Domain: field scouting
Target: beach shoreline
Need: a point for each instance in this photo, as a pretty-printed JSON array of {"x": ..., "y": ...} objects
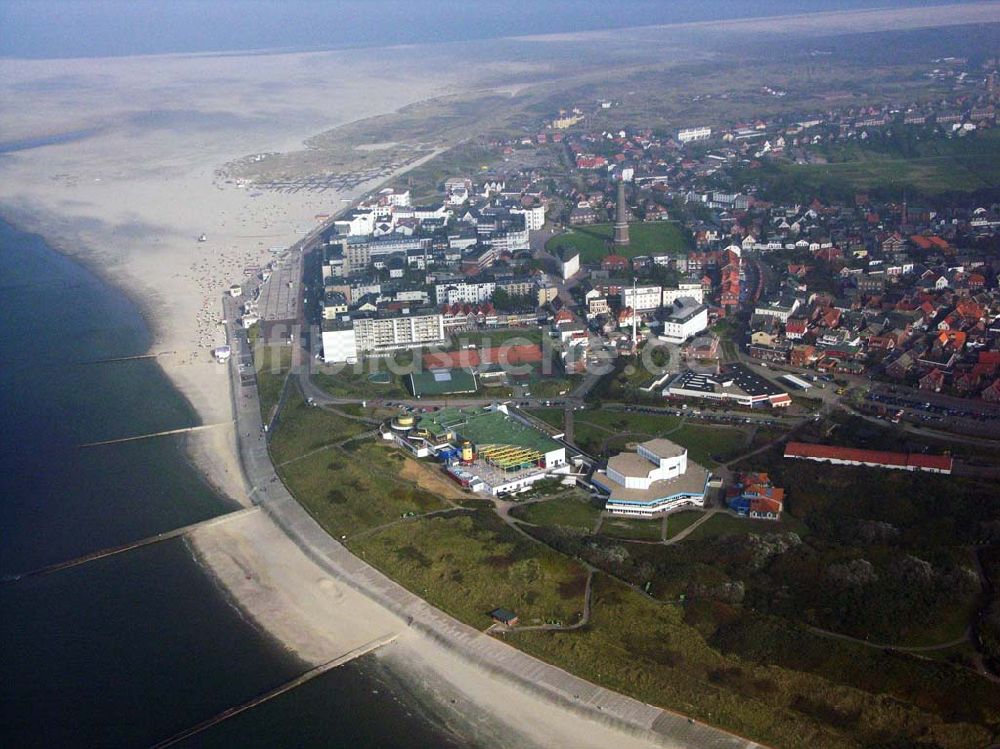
[
  {"x": 129, "y": 204},
  {"x": 159, "y": 264}
]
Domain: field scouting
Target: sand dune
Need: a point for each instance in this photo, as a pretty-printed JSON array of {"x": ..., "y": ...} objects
[
  {"x": 803, "y": 24},
  {"x": 131, "y": 196}
]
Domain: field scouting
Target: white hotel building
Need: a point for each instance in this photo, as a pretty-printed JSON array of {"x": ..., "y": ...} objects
[
  {"x": 350, "y": 337},
  {"x": 642, "y": 298},
  {"x": 692, "y": 289},
  {"x": 654, "y": 479},
  {"x": 687, "y": 318}
]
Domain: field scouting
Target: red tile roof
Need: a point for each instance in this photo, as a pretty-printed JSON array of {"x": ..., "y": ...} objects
[
  {"x": 877, "y": 457},
  {"x": 766, "y": 504}
]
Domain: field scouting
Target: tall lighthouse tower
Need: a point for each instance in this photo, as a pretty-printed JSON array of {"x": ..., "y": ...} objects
[{"x": 621, "y": 217}]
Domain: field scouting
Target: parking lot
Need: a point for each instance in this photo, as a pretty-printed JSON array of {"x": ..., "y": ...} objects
[{"x": 934, "y": 409}]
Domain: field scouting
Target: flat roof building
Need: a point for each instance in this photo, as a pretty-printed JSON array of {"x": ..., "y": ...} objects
[
  {"x": 486, "y": 449},
  {"x": 442, "y": 382},
  {"x": 656, "y": 478},
  {"x": 734, "y": 383},
  {"x": 687, "y": 317},
  {"x": 851, "y": 456},
  {"x": 352, "y": 336}
]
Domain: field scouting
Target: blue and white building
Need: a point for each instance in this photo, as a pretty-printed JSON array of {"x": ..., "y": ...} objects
[{"x": 656, "y": 478}]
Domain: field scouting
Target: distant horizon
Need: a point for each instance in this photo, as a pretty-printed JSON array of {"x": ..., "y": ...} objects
[{"x": 64, "y": 29}]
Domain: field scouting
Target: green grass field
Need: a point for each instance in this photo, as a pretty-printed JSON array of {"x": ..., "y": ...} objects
[
  {"x": 641, "y": 530},
  {"x": 940, "y": 166},
  {"x": 646, "y": 238},
  {"x": 678, "y": 521},
  {"x": 550, "y": 387},
  {"x": 572, "y": 511},
  {"x": 471, "y": 563},
  {"x": 302, "y": 429},
  {"x": 553, "y": 416},
  {"x": 704, "y": 443},
  {"x": 346, "y": 496},
  {"x": 659, "y": 654},
  {"x": 354, "y": 380},
  {"x": 272, "y": 363},
  {"x": 722, "y": 524},
  {"x": 613, "y": 429},
  {"x": 596, "y": 430}
]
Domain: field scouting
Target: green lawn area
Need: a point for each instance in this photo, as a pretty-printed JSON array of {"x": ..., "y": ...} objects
[
  {"x": 339, "y": 488},
  {"x": 659, "y": 654},
  {"x": 553, "y": 416},
  {"x": 369, "y": 412},
  {"x": 303, "y": 428},
  {"x": 646, "y": 238},
  {"x": 704, "y": 442},
  {"x": 723, "y": 523},
  {"x": 615, "y": 428},
  {"x": 550, "y": 387},
  {"x": 641, "y": 530},
  {"x": 573, "y": 511},
  {"x": 468, "y": 564},
  {"x": 624, "y": 382},
  {"x": 354, "y": 380},
  {"x": 954, "y": 165},
  {"x": 272, "y": 363},
  {"x": 678, "y": 521}
]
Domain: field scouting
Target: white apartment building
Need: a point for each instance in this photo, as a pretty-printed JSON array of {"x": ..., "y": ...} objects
[
  {"x": 462, "y": 292},
  {"x": 396, "y": 196},
  {"x": 357, "y": 223},
  {"x": 375, "y": 334},
  {"x": 687, "y": 135},
  {"x": 691, "y": 289},
  {"x": 598, "y": 305},
  {"x": 642, "y": 298},
  {"x": 687, "y": 318},
  {"x": 534, "y": 217},
  {"x": 514, "y": 240},
  {"x": 779, "y": 308},
  {"x": 569, "y": 262},
  {"x": 518, "y": 287}
]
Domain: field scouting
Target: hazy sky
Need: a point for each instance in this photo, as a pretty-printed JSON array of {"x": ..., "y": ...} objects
[{"x": 87, "y": 28}]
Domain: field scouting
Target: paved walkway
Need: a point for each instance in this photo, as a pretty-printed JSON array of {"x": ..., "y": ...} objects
[
  {"x": 690, "y": 529},
  {"x": 497, "y": 658},
  {"x": 888, "y": 646}
]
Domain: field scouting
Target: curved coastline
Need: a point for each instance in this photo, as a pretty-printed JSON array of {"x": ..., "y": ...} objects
[
  {"x": 210, "y": 452},
  {"x": 552, "y": 705},
  {"x": 318, "y": 601}
]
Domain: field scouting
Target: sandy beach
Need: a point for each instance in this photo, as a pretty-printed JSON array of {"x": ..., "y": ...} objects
[
  {"x": 805, "y": 24},
  {"x": 130, "y": 201},
  {"x": 263, "y": 572},
  {"x": 130, "y": 198}
]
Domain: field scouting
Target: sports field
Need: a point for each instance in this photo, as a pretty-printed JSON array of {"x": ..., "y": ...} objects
[{"x": 593, "y": 242}]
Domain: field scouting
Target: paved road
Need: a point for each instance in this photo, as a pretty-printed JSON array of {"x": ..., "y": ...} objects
[{"x": 494, "y": 656}]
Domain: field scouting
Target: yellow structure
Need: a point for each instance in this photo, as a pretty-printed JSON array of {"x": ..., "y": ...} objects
[
  {"x": 509, "y": 457},
  {"x": 561, "y": 123},
  {"x": 402, "y": 423},
  {"x": 467, "y": 453}
]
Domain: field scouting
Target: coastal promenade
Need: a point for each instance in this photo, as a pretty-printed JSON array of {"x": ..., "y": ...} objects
[{"x": 496, "y": 658}]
